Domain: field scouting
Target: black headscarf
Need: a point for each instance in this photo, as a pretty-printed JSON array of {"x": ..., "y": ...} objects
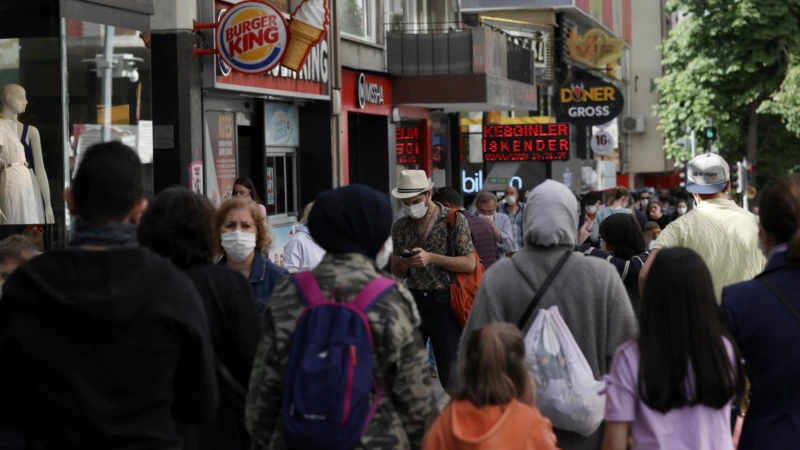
[{"x": 351, "y": 219}]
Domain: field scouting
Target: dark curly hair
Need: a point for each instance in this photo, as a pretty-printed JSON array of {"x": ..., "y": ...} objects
[{"x": 179, "y": 225}]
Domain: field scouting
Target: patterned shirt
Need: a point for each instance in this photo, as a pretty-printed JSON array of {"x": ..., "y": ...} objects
[
  {"x": 441, "y": 241},
  {"x": 516, "y": 224},
  {"x": 409, "y": 406}
]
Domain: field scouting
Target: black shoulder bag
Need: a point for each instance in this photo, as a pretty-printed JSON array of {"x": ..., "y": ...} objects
[
  {"x": 781, "y": 297},
  {"x": 542, "y": 290}
]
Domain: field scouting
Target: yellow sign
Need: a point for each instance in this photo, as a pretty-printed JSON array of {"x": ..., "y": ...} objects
[
  {"x": 595, "y": 49},
  {"x": 595, "y": 94}
]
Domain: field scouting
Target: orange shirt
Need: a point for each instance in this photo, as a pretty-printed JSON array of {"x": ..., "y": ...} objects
[{"x": 517, "y": 426}]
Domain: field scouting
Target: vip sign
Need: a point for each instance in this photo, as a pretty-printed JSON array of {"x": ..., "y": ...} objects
[
  {"x": 589, "y": 102},
  {"x": 368, "y": 92}
]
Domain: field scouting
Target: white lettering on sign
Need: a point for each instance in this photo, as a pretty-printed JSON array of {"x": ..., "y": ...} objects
[
  {"x": 315, "y": 68},
  {"x": 472, "y": 185},
  {"x": 368, "y": 92}
]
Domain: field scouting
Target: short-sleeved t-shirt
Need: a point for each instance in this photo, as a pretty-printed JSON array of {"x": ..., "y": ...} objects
[
  {"x": 690, "y": 428},
  {"x": 724, "y": 235},
  {"x": 441, "y": 240}
]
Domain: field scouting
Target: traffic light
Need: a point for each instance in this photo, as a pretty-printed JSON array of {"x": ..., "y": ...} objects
[
  {"x": 710, "y": 133},
  {"x": 682, "y": 167},
  {"x": 737, "y": 176}
]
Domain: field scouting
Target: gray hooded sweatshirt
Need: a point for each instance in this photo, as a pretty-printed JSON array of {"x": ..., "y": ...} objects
[{"x": 588, "y": 291}]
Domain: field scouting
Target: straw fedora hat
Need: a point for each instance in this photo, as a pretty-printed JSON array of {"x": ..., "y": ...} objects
[{"x": 411, "y": 184}]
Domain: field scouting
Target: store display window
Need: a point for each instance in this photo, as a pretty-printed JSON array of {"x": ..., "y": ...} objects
[{"x": 65, "y": 84}]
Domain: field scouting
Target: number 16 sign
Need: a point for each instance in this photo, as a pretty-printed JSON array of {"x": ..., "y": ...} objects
[{"x": 603, "y": 143}]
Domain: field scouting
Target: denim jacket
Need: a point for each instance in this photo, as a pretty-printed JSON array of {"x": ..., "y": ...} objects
[{"x": 264, "y": 276}]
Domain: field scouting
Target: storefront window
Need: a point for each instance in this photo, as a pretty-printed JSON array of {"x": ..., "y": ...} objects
[
  {"x": 358, "y": 18},
  {"x": 65, "y": 84},
  {"x": 281, "y": 189}
]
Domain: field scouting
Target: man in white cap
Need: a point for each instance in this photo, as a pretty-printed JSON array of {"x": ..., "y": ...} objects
[
  {"x": 722, "y": 233},
  {"x": 426, "y": 253}
]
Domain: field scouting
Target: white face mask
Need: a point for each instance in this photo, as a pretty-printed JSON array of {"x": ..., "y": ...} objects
[
  {"x": 238, "y": 245},
  {"x": 382, "y": 259},
  {"x": 591, "y": 209},
  {"x": 682, "y": 211},
  {"x": 645, "y": 202},
  {"x": 419, "y": 210},
  {"x": 511, "y": 200}
]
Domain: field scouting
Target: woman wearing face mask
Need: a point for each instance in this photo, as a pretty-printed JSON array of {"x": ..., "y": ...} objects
[
  {"x": 245, "y": 242},
  {"x": 244, "y": 188},
  {"x": 586, "y": 223},
  {"x": 352, "y": 224},
  {"x": 682, "y": 209}
]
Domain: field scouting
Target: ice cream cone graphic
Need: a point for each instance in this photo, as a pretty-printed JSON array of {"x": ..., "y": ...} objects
[{"x": 308, "y": 26}]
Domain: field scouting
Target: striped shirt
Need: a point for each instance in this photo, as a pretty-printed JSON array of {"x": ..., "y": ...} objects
[{"x": 483, "y": 238}]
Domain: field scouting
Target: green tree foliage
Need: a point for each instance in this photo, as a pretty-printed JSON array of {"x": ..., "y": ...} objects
[{"x": 731, "y": 61}]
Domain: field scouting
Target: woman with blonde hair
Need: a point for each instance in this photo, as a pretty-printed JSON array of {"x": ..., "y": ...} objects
[
  {"x": 245, "y": 238},
  {"x": 302, "y": 253},
  {"x": 493, "y": 409}
]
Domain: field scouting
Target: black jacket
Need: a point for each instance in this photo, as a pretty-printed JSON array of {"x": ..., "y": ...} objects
[
  {"x": 235, "y": 328},
  {"x": 103, "y": 350},
  {"x": 628, "y": 270}
]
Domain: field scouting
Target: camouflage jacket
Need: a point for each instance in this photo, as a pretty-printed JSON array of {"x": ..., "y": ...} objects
[{"x": 408, "y": 408}]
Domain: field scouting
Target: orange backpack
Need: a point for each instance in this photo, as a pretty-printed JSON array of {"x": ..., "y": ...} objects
[{"x": 465, "y": 286}]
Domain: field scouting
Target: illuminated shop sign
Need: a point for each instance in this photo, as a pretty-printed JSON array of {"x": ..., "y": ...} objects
[{"x": 519, "y": 143}]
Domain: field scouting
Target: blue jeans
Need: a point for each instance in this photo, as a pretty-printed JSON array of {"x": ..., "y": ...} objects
[
  {"x": 431, "y": 357},
  {"x": 440, "y": 325}
]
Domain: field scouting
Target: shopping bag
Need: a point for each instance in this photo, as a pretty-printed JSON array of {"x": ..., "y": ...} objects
[{"x": 566, "y": 391}]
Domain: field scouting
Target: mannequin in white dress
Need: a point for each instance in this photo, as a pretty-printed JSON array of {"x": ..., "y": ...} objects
[{"x": 14, "y": 102}]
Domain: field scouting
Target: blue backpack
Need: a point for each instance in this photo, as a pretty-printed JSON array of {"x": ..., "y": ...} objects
[{"x": 329, "y": 376}]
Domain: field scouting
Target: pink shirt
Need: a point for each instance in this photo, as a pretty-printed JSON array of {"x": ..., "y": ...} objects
[{"x": 690, "y": 428}]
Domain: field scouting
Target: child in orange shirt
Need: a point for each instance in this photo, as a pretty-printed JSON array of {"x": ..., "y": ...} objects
[{"x": 492, "y": 410}]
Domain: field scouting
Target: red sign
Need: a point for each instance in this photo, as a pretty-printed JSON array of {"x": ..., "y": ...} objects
[
  {"x": 366, "y": 93},
  {"x": 539, "y": 142},
  {"x": 407, "y": 145}
]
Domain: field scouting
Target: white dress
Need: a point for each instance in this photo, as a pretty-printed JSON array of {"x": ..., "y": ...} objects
[{"x": 17, "y": 196}]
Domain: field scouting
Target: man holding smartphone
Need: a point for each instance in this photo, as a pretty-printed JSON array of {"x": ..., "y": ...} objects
[{"x": 427, "y": 253}]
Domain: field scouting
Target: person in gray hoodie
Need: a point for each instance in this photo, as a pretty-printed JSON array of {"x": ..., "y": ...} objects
[{"x": 588, "y": 291}]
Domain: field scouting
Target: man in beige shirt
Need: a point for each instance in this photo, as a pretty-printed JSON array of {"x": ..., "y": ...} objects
[{"x": 722, "y": 233}]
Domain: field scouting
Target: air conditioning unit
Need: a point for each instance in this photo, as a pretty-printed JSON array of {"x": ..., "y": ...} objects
[{"x": 633, "y": 124}]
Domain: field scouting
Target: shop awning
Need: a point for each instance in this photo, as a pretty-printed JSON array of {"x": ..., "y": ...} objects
[{"x": 464, "y": 92}]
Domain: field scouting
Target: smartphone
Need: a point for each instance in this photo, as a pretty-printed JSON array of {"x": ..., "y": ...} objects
[{"x": 409, "y": 254}]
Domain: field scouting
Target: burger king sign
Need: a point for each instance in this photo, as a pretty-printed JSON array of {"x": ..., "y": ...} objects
[{"x": 252, "y": 37}]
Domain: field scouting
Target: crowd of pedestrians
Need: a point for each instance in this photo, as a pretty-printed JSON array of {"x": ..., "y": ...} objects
[{"x": 596, "y": 324}]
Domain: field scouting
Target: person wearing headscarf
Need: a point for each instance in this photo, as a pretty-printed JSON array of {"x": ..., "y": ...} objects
[
  {"x": 353, "y": 225},
  {"x": 588, "y": 291}
]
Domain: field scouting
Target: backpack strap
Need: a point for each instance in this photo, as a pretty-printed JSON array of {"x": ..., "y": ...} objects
[
  {"x": 523, "y": 321},
  {"x": 451, "y": 217},
  {"x": 309, "y": 289},
  {"x": 372, "y": 292}
]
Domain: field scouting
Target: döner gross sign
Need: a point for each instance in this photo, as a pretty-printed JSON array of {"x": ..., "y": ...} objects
[
  {"x": 589, "y": 102},
  {"x": 545, "y": 142}
]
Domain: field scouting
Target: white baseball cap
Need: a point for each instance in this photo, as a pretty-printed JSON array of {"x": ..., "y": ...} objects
[
  {"x": 411, "y": 184},
  {"x": 707, "y": 174}
]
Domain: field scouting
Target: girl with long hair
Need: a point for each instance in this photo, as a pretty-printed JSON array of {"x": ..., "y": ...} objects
[
  {"x": 673, "y": 386},
  {"x": 492, "y": 409}
]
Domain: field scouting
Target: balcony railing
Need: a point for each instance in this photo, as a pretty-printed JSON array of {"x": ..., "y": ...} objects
[{"x": 448, "y": 49}]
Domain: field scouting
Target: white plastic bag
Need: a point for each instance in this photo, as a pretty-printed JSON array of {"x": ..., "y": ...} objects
[{"x": 566, "y": 391}]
